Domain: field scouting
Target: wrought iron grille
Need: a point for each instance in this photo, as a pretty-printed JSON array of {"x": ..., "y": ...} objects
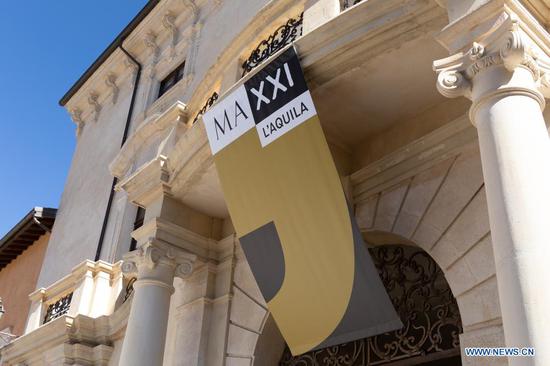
[
  {"x": 206, "y": 106},
  {"x": 350, "y": 3},
  {"x": 424, "y": 302},
  {"x": 285, "y": 34},
  {"x": 129, "y": 289},
  {"x": 58, "y": 308}
]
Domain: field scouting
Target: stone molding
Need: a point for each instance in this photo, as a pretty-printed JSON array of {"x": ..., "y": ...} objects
[
  {"x": 144, "y": 185},
  {"x": 69, "y": 339},
  {"x": 153, "y": 128},
  {"x": 437, "y": 146},
  {"x": 206, "y": 249}
]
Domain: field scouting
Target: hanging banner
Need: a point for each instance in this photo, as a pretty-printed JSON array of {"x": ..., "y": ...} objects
[{"x": 290, "y": 213}]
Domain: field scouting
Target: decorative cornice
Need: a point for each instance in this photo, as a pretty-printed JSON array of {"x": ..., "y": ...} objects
[
  {"x": 506, "y": 45},
  {"x": 80, "y": 338}
]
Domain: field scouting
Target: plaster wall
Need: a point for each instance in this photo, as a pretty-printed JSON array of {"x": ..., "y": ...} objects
[
  {"x": 219, "y": 30},
  {"x": 82, "y": 208},
  {"x": 17, "y": 281}
]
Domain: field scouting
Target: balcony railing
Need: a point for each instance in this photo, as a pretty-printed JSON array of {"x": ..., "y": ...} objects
[
  {"x": 58, "y": 308},
  {"x": 284, "y": 35},
  {"x": 213, "y": 98}
]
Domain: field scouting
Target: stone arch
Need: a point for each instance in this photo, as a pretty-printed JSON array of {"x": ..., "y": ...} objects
[
  {"x": 443, "y": 210},
  {"x": 425, "y": 303}
]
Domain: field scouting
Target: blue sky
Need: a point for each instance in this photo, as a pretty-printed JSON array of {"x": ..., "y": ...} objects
[{"x": 46, "y": 46}]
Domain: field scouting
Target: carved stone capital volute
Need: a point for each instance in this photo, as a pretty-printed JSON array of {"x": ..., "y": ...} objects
[
  {"x": 154, "y": 254},
  {"x": 452, "y": 84},
  {"x": 527, "y": 70},
  {"x": 184, "y": 269},
  {"x": 129, "y": 269}
]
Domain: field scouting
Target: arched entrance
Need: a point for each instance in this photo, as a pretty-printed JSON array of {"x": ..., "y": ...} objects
[{"x": 426, "y": 305}]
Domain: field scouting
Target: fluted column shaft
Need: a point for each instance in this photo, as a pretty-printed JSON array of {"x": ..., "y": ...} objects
[{"x": 505, "y": 79}]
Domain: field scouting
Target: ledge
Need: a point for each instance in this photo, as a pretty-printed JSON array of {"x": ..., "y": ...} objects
[{"x": 153, "y": 126}]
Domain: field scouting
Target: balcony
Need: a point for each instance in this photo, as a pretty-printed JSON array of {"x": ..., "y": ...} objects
[
  {"x": 76, "y": 320},
  {"x": 91, "y": 289}
]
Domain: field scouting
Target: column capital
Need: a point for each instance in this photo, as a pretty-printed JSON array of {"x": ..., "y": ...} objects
[
  {"x": 144, "y": 260},
  {"x": 518, "y": 66}
]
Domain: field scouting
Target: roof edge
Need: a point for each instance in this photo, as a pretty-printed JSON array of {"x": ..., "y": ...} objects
[
  {"x": 36, "y": 212},
  {"x": 151, "y": 4}
]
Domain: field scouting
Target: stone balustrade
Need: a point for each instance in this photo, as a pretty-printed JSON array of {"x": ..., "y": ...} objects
[{"x": 92, "y": 289}]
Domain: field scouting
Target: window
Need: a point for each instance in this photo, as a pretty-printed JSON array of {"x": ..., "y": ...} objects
[
  {"x": 171, "y": 80},
  {"x": 138, "y": 222}
]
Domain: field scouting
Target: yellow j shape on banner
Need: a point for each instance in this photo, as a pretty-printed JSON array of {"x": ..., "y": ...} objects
[{"x": 290, "y": 213}]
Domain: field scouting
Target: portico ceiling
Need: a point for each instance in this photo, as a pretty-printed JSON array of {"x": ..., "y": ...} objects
[
  {"x": 369, "y": 69},
  {"x": 391, "y": 87}
]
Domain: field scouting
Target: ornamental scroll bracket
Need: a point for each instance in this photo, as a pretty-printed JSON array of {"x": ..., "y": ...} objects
[
  {"x": 506, "y": 45},
  {"x": 76, "y": 116},
  {"x": 169, "y": 22},
  {"x": 110, "y": 81},
  {"x": 93, "y": 101},
  {"x": 150, "y": 41}
]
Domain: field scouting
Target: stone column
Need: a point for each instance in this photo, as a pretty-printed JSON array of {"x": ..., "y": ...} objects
[
  {"x": 505, "y": 74},
  {"x": 155, "y": 264}
]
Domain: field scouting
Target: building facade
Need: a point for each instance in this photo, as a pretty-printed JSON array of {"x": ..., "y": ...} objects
[
  {"x": 434, "y": 113},
  {"x": 22, "y": 252}
]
